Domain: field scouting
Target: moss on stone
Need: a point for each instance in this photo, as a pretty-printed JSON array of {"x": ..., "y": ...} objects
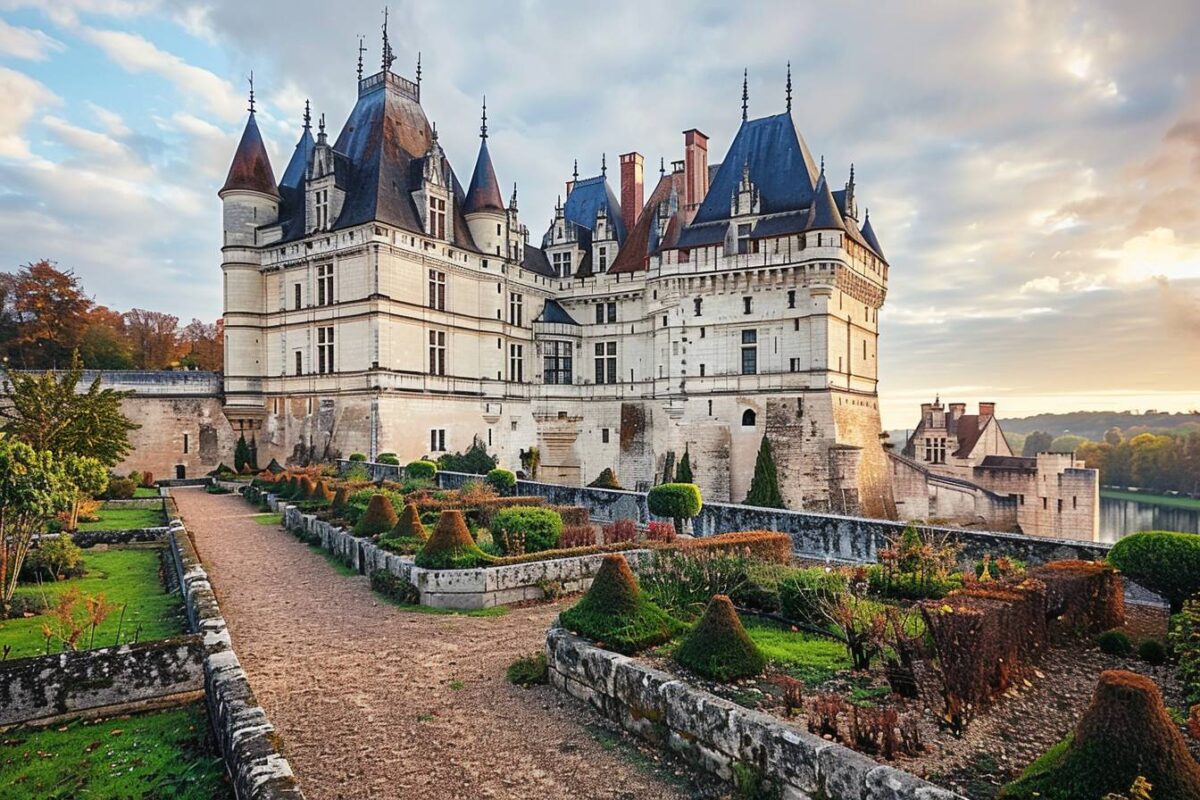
[
  {"x": 451, "y": 545},
  {"x": 718, "y": 646},
  {"x": 614, "y": 613}
]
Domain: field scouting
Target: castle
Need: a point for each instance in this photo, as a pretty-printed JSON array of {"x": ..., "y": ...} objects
[{"x": 372, "y": 304}]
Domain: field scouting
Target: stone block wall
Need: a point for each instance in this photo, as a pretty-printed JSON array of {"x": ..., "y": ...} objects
[{"x": 716, "y": 735}]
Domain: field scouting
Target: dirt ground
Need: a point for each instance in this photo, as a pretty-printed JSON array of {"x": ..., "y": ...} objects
[{"x": 374, "y": 701}]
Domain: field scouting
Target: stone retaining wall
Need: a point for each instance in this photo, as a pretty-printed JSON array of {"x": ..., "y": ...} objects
[
  {"x": 715, "y": 734},
  {"x": 87, "y": 539},
  {"x": 249, "y": 745},
  {"x": 48, "y": 686}
]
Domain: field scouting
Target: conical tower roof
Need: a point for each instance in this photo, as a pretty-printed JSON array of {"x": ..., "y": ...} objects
[
  {"x": 484, "y": 193},
  {"x": 825, "y": 212},
  {"x": 251, "y": 168},
  {"x": 869, "y": 234}
]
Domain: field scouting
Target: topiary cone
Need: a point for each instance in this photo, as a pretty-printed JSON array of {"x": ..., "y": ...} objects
[
  {"x": 718, "y": 646},
  {"x": 614, "y": 613},
  {"x": 379, "y": 517},
  {"x": 1125, "y": 733},
  {"x": 614, "y": 590},
  {"x": 339, "y": 500},
  {"x": 451, "y": 545},
  {"x": 323, "y": 493},
  {"x": 308, "y": 489},
  {"x": 409, "y": 524}
]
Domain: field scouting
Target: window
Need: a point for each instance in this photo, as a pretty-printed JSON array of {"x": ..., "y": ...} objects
[
  {"x": 603, "y": 259},
  {"x": 606, "y": 362},
  {"x": 743, "y": 245},
  {"x": 299, "y": 362},
  {"x": 1074, "y": 499},
  {"x": 697, "y": 305},
  {"x": 325, "y": 285},
  {"x": 1021, "y": 499},
  {"x": 749, "y": 352},
  {"x": 604, "y": 435},
  {"x": 611, "y": 311},
  {"x": 606, "y": 312},
  {"x": 864, "y": 349},
  {"x": 515, "y": 309},
  {"x": 437, "y": 440},
  {"x": 185, "y": 443},
  {"x": 562, "y": 264},
  {"x": 437, "y": 218},
  {"x": 516, "y": 362},
  {"x": 297, "y": 293},
  {"x": 437, "y": 290},
  {"x": 794, "y": 364},
  {"x": 1060, "y": 505},
  {"x": 1045, "y": 503},
  {"x": 935, "y": 450},
  {"x": 322, "y": 203},
  {"x": 701, "y": 370},
  {"x": 437, "y": 352},
  {"x": 325, "y": 350},
  {"x": 746, "y": 304},
  {"x": 749, "y": 418},
  {"x": 556, "y": 363},
  {"x": 702, "y": 333},
  {"x": 791, "y": 298}
]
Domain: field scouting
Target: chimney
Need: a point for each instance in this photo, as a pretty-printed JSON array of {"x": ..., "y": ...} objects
[
  {"x": 631, "y": 189},
  {"x": 957, "y": 410},
  {"x": 987, "y": 409},
  {"x": 695, "y": 171}
]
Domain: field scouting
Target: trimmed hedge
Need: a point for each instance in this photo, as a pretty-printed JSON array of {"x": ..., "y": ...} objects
[
  {"x": 502, "y": 480},
  {"x": 804, "y": 593},
  {"x": 615, "y": 615},
  {"x": 1162, "y": 561},
  {"x": 677, "y": 501},
  {"x": 541, "y": 528},
  {"x": 380, "y": 517},
  {"x": 409, "y": 526},
  {"x": 357, "y": 457},
  {"x": 390, "y": 459},
  {"x": 451, "y": 545},
  {"x": 718, "y": 647},
  {"x": 1085, "y": 595},
  {"x": 421, "y": 470},
  {"x": 770, "y": 546}
]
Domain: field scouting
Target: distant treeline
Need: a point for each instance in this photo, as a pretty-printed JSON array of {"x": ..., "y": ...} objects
[
  {"x": 1094, "y": 424},
  {"x": 1155, "y": 462}
]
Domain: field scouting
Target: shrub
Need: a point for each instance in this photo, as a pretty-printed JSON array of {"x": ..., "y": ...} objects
[
  {"x": 308, "y": 489},
  {"x": 528, "y": 671},
  {"x": 322, "y": 493},
  {"x": 614, "y": 613},
  {"x": 541, "y": 528},
  {"x": 502, "y": 480},
  {"x": 380, "y": 517},
  {"x": 148, "y": 480},
  {"x": 683, "y": 473},
  {"x": 421, "y": 470},
  {"x": 999, "y": 568},
  {"x": 718, "y": 647},
  {"x": 389, "y": 458},
  {"x": 677, "y": 501},
  {"x": 577, "y": 536},
  {"x": 771, "y": 546},
  {"x": 358, "y": 457},
  {"x": 121, "y": 488},
  {"x": 1115, "y": 643},
  {"x": 621, "y": 530},
  {"x": 451, "y": 545},
  {"x": 1125, "y": 733},
  {"x": 1185, "y": 643},
  {"x": 409, "y": 526},
  {"x": 910, "y": 586},
  {"x": 574, "y": 515},
  {"x": 136, "y": 476},
  {"x": 1153, "y": 652},
  {"x": 606, "y": 480},
  {"x": 275, "y": 467},
  {"x": 394, "y": 587},
  {"x": 475, "y": 460},
  {"x": 1164, "y": 562},
  {"x": 683, "y": 582},
  {"x": 1087, "y": 595},
  {"x": 53, "y": 559},
  {"x": 764, "y": 486},
  {"x": 338, "y": 504},
  {"x": 804, "y": 593},
  {"x": 658, "y": 531},
  {"x": 404, "y": 545}
]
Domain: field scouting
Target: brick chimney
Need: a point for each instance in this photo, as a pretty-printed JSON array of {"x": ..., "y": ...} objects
[
  {"x": 987, "y": 409},
  {"x": 631, "y": 189},
  {"x": 695, "y": 171}
]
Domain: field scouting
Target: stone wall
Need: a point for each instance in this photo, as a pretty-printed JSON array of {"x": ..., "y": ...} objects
[
  {"x": 62, "y": 683},
  {"x": 248, "y": 742},
  {"x": 715, "y": 734}
]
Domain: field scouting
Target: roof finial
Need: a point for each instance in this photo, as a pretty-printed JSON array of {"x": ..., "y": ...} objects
[
  {"x": 435, "y": 130},
  {"x": 662, "y": 167},
  {"x": 513, "y": 203},
  {"x": 307, "y": 116},
  {"x": 483, "y": 127},
  {"x": 603, "y": 164},
  {"x": 822, "y": 165},
  {"x": 321, "y": 129},
  {"x": 851, "y": 173},
  {"x": 745, "y": 93},
  {"x": 362, "y": 48},
  {"x": 575, "y": 174},
  {"x": 388, "y": 57},
  {"x": 789, "y": 88},
  {"x": 418, "y": 75},
  {"x": 251, "y": 91}
]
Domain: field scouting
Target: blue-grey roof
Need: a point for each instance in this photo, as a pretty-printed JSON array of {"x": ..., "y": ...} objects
[
  {"x": 535, "y": 261},
  {"x": 703, "y": 235},
  {"x": 293, "y": 176},
  {"x": 781, "y": 168},
  {"x": 586, "y": 198},
  {"x": 484, "y": 192},
  {"x": 780, "y": 225},
  {"x": 825, "y": 214},
  {"x": 291, "y": 188},
  {"x": 868, "y": 233},
  {"x": 552, "y": 312}
]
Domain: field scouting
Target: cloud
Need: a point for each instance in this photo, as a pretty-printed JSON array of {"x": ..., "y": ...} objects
[
  {"x": 68, "y": 12},
  {"x": 20, "y": 96},
  {"x": 26, "y": 43}
]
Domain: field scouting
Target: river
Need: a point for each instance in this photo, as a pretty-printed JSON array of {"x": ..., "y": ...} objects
[{"x": 1120, "y": 518}]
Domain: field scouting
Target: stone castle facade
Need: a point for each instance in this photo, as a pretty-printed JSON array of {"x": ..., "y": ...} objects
[{"x": 373, "y": 304}]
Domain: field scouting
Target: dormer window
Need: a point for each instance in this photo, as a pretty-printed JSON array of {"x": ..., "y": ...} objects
[
  {"x": 603, "y": 259},
  {"x": 437, "y": 218},
  {"x": 322, "y": 208},
  {"x": 562, "y": 264}
]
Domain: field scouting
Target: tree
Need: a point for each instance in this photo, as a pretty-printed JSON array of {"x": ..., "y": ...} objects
[
  {"x": 88, "y": 477},
  {"x": 1037, "y": 442},
  {"x": 152, "y": 334},
  {"x": 764, "y": 488},
  {"x": 1067, "y": 443},
  {"x": 204, "y": 345},
  {"x": 1113, "y": 436},
  {"x": 49, "y": 414},
  {"x": 241, "y": 453},
  {"x": 683, "y": 473},
  {"x": 103, "y": 344},
  {"x": 50, "y": 310},
  {"x": 33, "y": 488}
]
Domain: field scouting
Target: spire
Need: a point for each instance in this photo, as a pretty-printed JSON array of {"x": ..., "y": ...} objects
[
  {"x": 293, "y": 174},
  {"x": 512, "y": 204},
  {"x": 868, "y": 233},
  {"x": 745, "y": 94},
  {"x": 307, "y": 116},
  {"x": 789, "y": 87},
  {"x": 484, "y": 192},
  {"x": 251, "y": 109},
  {"x": 321, "y": 129},
  {"x": 662, "y": 167},
  {"x": 483, "y": 127},
  {"x": 603, "y": 165},
  {"x": 418, "y": 75},
  {"x": 251, "y": 168},
  {"x": 362, "y": 48},
  {"x": 388, "y": 57},
  {"x": 575, "y": 174},
  {"x": 822, "y": 165}
]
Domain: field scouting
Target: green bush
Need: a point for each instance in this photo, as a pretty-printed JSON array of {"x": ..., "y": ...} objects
[
  {"x": 394, "y": 587},
  {"x": 528, "y": 671},
  {"x": 502, "y": 480},
  {"x": 803, "y": 593},
  {"x": 121, "y": 488},
  {"x": 615, "y": 614},
  {"x": 1164, "y": 562},
  {"x": 540, "y": 527},
  {"x": 1153, "y": 652},
  {"x": 683, "y": 582},
  {"x": 911, "y": 585},
  {"x": 389, "y": 458},
  {"x": 358, "y": 457},
  {"x": 1115, "y": 643},
  {"x": 718, "y": 647},
  {"x": 53, "y": 560},
  {"x": 475, "y": 461},
  {"x": 136, "y": 476},
  {"x": 380, "y": 517},
  {"x": 764, "y": 486},
  {"x": 677, "y": 501},
  {"x": 421, "y": 470},
  {"x": 606, "y": 480}
]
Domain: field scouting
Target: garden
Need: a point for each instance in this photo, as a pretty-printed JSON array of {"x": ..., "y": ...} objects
[{"x": 995, "y": 681}]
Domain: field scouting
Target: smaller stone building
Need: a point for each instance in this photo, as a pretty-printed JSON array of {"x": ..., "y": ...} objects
[{"x": 958, "y": 468}]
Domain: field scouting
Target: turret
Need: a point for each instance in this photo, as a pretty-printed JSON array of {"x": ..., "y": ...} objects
[
  {"x": 250, "y": 196},
  {"x": 484, "y": 207}
]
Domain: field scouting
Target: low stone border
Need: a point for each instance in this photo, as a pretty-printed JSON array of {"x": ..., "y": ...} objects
[
  {"x": 457, "y": 589},
  {"x": 247, "y": 740},
  {"x": 86, "y": 539},
  {"x": 38, "y": 687},
  {"x": 715, "y": 734}
]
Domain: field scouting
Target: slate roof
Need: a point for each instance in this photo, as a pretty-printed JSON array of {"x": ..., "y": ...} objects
[
  {"x": 1009, "y": 462},
  {"x": 251, "y": 168},
  {"x": 825, "y": 214},
  {"x": 643, "y": 241},
  {"x": 291, "y": 187},
  {"x": 586, "y": 198},
  {"x": 535, "y": 261},
  {"x": 552, "y": 312},
  {"x": 484, "y": 193},
  {"x": 868, "y": 234}
]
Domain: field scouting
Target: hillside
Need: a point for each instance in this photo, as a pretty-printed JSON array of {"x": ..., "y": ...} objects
[{"x": 1093, "y": 424}]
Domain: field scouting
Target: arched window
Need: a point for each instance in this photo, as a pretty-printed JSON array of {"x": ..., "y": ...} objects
[{"x": 748, "y": 418}]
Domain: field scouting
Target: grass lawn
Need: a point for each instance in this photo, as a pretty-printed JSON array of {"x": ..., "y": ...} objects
[
  {"x": 811, "y": 658},
  {"x": 153, "y": 755},
  {"x": 124, "y": 519},
  {"x": 268, "y": 519},
  {"x": 124, "y": 576},
  {"x": 145, "y": 491},
  {"x": 1152, "y": 499}
]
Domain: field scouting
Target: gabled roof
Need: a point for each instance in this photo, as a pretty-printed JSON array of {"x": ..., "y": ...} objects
[
  {"x": 484, "y": 194},
  {"x": 643, "y": 241},
  {"x": 587, "y": 197},
  {"x": 780, "y": 165},
  {"x": 868, "y": 233},
  {"x": 251, "y": 168},
  {"x": 554, "y": 313},
  {"x": 535, "y": 261},
  {"x": 291, "y": 188}
]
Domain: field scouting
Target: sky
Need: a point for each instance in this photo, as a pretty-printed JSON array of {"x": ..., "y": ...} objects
[{"x": 1032, "y": 168}]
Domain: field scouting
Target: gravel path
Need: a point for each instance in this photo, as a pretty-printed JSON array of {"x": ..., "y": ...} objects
[{"x": 372, "y": 701}]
